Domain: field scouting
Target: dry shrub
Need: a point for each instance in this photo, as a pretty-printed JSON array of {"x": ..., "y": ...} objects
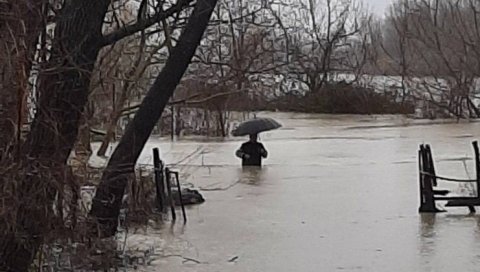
[
  {"x": 341, "y": 99},
  {"x": 53, "y": 203}
]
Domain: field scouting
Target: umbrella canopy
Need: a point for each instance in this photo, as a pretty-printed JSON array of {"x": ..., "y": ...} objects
[{"x": 255, "y": 126}]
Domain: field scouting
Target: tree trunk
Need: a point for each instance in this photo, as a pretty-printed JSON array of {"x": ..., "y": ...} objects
[
  {"x": 64, "y": 90},
  {"x": 220, "y": 122},
  {"x": 178, "y": 122},
  {"x": 63, "y": 95},
  {"x": 108, "y": 198},
  {"x": 82, "y": 149},
  {"x": 83, "y": 145}
]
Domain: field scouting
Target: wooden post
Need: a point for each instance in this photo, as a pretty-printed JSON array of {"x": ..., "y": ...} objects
[
  {"x": 420, "y": 177},
  {"x": 159, "y": 179},
  {"x": 477, "y": 165},
  {"x": 170, "y": 195},
  {"x": 431, "y": 165},
  {"x": 428, "y": 203},
  {"x": 172, "y": 123},
  {"x": 477, "y": 170},
  {"x": 180, "y": 197}
]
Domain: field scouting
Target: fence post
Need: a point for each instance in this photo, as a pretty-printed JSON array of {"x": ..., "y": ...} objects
[
  {"x": 431, "y": 166},
  {"x": 477, "y": 166},
  {"x": 168, "y": 174},
  {"x": 420, "y": 177},
  {"x": 180, "y": 197},
  {"x": 159, "y": 179},
  {"x": 426, "y": 180}
]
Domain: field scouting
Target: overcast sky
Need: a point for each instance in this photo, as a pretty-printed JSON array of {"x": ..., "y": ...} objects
[{"x": 378, "y": 6}]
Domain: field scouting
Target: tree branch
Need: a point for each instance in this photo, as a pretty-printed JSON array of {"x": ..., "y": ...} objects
[
  {"x": 143, "y": 24},
  {"x": 108, "y": 197}
]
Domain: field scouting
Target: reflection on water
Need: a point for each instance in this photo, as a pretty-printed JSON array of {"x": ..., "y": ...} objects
[
  {"x": 252, "y": 175},
  {"x": 427, "y": 222},
  {"x": 427, "y": 234},
  {"x": 328, "y": 199},
  {"x": 449, "y": 242}
]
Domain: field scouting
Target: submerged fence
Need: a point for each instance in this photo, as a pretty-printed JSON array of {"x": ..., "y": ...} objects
[{"x": 428, "y": 179}]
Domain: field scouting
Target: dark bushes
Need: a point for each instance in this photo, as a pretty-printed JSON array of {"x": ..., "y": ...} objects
[{"x": 341, "y": 99}]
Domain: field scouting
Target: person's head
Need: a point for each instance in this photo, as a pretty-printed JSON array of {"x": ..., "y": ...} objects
[{"x": 253, "y": 137}]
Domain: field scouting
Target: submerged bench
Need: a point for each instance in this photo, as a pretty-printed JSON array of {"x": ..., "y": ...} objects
[{"x": 428, "y": 180}]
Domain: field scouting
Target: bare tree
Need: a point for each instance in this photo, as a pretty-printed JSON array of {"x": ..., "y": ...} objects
[
  {"x": 107, "y": 201},
  {"x": 241, "y": 49},
  {"x": 438, "y": 52},
  {"x": 31, "y": 183},
  {"x": 322, "y": 44},
  {"x": 125, "y": 83}
]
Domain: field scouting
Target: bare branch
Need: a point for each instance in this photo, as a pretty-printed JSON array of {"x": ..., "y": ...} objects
[{"x": 143, "y": 24}]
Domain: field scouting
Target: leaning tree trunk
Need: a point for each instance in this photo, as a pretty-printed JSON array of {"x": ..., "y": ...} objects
[
  {"x": 63, "y": 95},
  {"x": 108, "y": 198}
]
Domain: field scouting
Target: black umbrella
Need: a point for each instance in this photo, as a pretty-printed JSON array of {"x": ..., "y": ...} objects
[{"x": 255, "y": 126}]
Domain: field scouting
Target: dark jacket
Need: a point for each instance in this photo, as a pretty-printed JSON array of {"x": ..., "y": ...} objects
[{"x": 252, "y": 153}]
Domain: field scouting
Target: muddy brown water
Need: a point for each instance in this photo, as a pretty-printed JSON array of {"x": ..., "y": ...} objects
[{"x": 337, "y": 193}]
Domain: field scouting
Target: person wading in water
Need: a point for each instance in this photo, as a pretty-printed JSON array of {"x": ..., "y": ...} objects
[{"x": 252, "y": 152}]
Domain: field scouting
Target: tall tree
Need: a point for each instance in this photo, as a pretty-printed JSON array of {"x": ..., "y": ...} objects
[
  {"x": 331, "y": 40},
  {"x": 54, "y": 129},
  {"x": 108, "y": 198},
  {"x": 63, "y": 88},
  {"x": 437, "y": 53}
]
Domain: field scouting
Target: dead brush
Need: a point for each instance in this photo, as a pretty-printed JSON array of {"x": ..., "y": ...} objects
[{"x": 48, "y": 202}]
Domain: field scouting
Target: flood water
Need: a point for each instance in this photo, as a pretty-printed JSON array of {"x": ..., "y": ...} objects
[{"x": 337, "y": 193}]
